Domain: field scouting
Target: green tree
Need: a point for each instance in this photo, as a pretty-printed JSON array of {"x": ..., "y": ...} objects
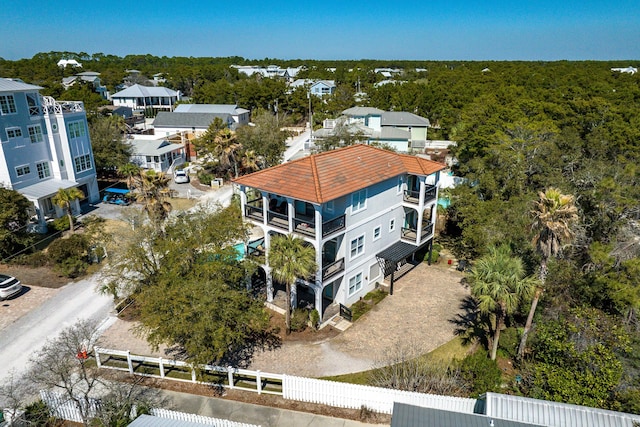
[
  {"x": 14, "y": 215},
  {"x": 265, "y": 138},
  {"x": 499, "y": 283},
  {"x": 554, "y": 214},
  {"x": 64, "y": 199},
  {"x": 110, "y": 149},
  {"x": 290, "y": 259},
  {"x": 129, "y": 171}
]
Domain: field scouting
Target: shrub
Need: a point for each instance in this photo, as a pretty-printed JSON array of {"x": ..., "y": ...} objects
[
  {"x": 36, "y": 259},
  {"x": 481, "y": 373},
  {"x": 314, "y": 318},
  {"x": 376, "y": 295},
  {"x": 509, "y": 342},
  {"x": 38, "y": 414},
  {"x": 205, "y": 178},
  {"x": 435, "y": 253},
  {"x": 299, "y": 319},
  {"x": 70, "y": 255},
  {"x": 60, "y": 224}
]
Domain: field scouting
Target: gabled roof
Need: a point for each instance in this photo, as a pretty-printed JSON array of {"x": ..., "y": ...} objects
[
  {"x": 326, "y": 176},
  {"x": 139, "y": 91},
  {"x": 210, "y": 108},
  {"x": 328, "y": 83},
  {"x": 362, "y": 111},
  {"x": 16, "y": 85},
  {"x": 153, "y": 147},
  {"x": 394, "y": 133},
  {"x": 415, "y": 416},
  {"x": 188, "y": 120},
  {"x": 402, "y": 118}
]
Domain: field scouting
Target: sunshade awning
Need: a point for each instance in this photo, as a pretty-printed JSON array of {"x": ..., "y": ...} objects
[{"x": 45, "y": 189}]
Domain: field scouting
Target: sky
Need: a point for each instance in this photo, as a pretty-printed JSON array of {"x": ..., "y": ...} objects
[{"x": 339, "y": 30}]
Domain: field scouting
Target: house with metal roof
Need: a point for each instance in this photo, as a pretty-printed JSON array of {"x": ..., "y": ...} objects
[
  {"x": 415, "y": 416},
  {"x": 364, "y": 210},
  {"x": 44, "y": 146},
  {"x": 160, "y": 155},
  {"x": 141, "y": 98}
]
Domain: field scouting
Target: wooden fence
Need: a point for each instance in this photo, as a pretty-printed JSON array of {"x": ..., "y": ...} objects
[{"x": 331, "y": 393}]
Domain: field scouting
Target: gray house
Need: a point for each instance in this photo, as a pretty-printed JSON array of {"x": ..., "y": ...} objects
[{"x": 44, "y": 146}]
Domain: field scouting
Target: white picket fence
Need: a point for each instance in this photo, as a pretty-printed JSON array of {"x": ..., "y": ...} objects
[
  {"x": 182, "y": 416},
  {"x": 355, "y": 396},
  {"x": 64, "y": 408},
  {"x": 331, "y": 393}
]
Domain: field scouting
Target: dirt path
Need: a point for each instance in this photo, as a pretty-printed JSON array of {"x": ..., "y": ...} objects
[{"x": 418, "y": 313}]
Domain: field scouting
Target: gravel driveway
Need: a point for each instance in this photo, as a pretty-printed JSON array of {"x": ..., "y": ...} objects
[{"x": 418, "y": 313}]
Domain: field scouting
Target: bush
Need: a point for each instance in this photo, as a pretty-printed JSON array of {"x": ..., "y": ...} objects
[
  {"x": 299, "y": 319},
  {"x": 205, "y": 178},
  {"x": 36, "y": 259},
  {"x": 61, "y": 224},
  {"x": 481, "y": 373},
  {"x": 509, "y": 342},
  {"x": 376, "y": 296},
  {"x": 70, "y": 255},
  {"x": 314, "y": 318},
  {"x": 435, "y": 253},
  {"x": 38, "y": 414}
]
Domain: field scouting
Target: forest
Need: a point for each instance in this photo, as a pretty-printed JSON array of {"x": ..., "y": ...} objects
[{"x": 528, "y": 135}]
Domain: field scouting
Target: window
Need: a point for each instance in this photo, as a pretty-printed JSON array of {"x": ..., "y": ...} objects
[
  {"x": 149, "y": 159},
  {"x": 392, "y": 225},
  {"x": 376, "y": 233},
  {"x": 355, "y": 283},
  {"x": 23, "y": 170},
  {"x": 76, "y": 130},
  {"x": 35, "y": 133},
  {"x": 14, "y": 133},
  {"x": 82, "y": 163},
  {"x": 359, "y": 201},
  {"x": 43, "y": 170},
  {"x": 7, "y": 104},
  {"x": 357, "y": 246}
]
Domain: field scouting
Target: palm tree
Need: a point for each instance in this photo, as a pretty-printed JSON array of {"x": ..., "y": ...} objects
[
  {"x": 151, "y": 189},
  {"x": 498, "y": 282},
  {"x": 226, "y": 147},
  {"x": 290, "y": 258},
  {"x": 129, "y": 171},
  {"x": 554, "y": 217},
  {"x": 64, "y": 198}
]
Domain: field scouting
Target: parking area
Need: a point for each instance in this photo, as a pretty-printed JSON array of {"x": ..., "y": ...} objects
[{"x": 31, "y": 297}]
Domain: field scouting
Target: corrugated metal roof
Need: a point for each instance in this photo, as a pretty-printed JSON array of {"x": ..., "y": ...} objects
[
  {"x": 46, "y": 188},
  {"x": 210, "y": 108},
  {"x": 151, "y": 421},
  {"x": 553, "y": 414},
  {"x": 415, "y": 416},
  {"x": 16, "y": 85},
  {"x": 362, "y": 111},
  {"x": 188, "y": 120},
  {"x": 402, "y": 118},
  {"x": 139, "y": 91},
  {"x": 153, "y": 147}
]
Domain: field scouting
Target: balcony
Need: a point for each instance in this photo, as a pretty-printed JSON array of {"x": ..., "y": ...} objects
[
  {"x": 411, "y": 234},
  {"x": 332, "y": 269},
  {"x": 253, "y": 209},
  {"x": 411, "y": 196},
  {"x": 334, "y": 225},
  {"x": 278, "y": 220},
  {"x": 304, "y": 226}
]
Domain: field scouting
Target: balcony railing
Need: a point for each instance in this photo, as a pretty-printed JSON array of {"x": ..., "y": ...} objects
[
  {"x": 332, "y": 269},
  {"x": 409, "y": 233},
  {"x": 303, "y": 226},
  {"x": 34, "y": 110},
  {"x": 254, "y": 212},
  {"x": 414, "y": 196},
  {"x": 427, "y": 230},
  {"x": 334, "y": 225},
  {"x": 278, "y": 220}
]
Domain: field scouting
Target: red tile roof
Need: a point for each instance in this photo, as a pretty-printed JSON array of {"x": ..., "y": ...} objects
[{"x": 326, "y": 176}]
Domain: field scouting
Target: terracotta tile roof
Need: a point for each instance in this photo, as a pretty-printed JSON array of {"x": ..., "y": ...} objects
[{"x": 326, "y": 176}]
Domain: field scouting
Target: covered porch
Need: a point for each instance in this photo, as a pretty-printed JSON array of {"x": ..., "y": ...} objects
[
  {"x": 394, "y": 259},
  {"x": 41, "y": 195}
]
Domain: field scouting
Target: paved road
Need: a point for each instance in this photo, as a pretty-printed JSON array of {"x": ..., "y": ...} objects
[{"x": 23, "y": 338}]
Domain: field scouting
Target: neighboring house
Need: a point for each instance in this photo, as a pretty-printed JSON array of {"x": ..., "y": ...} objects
[
  {"x": 316, "y": 87},
  {"x": 629, "y": 70},
  {"x": 70, "y": 62},
  {"x": 140, "y": 98},
  {"x": 400, "y": 130},
  {"x": 272, "y": 71},
  {"x": 240, "y": 116},
  {"x": 45, "y": 146},
  {"x": 364, "y": 210},
  {"x": 90, "y": 77},
  {"x": 157, "y": 154}
]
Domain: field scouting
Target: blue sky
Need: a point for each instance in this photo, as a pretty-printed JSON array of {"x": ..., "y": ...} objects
[{"x": 347, "y": 29}]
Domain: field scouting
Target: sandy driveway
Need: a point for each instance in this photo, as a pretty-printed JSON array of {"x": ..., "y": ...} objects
[{"x": 418, "y": 313}]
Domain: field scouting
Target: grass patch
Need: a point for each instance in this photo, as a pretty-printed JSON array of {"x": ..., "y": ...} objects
[
  {"x": 361, "y": 378},
  {"x": 179, "y": 204}
]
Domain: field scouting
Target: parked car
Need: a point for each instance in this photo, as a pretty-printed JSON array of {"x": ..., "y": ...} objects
[
  {"x": 180, "y": 176},
  {"x": 9, "y": 286}
]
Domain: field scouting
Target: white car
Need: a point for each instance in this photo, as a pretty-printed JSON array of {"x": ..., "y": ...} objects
[
  {"x": 180, "y": 176},
  {"x": 9, "y": 286}
]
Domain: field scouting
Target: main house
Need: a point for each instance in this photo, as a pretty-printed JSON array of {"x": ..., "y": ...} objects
[
  {"x": 44, "y": 146},
  {"x": 141, "y": 98},
  {"x": 364, "y": 210}
]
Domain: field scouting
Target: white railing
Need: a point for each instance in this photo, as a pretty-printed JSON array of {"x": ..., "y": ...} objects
[
  {"x": 242, "y": 379},
  {"x": 331, "y": 393},
  {"x": 183, "y": 416}
]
